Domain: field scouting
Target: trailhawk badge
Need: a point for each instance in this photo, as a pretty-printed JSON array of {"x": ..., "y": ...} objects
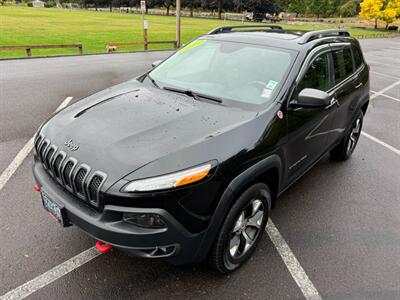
[{"x": 71, "y": 146}]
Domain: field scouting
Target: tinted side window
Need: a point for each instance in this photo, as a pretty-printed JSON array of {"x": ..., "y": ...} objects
[
  {"x": 357, "y": 56},
  {"x": 343, "y": 64},
  {"x": 317, "y": 75},
  {"x": 348, "y": 61}
]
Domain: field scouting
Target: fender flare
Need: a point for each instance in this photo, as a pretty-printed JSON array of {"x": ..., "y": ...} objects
[{"x": 230, "y": 195}]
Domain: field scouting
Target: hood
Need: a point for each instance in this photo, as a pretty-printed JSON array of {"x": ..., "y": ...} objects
[{"x": 130, "y": 125}]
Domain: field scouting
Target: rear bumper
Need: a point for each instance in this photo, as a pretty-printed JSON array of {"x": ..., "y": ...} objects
[{"x": 108, "y": 226}]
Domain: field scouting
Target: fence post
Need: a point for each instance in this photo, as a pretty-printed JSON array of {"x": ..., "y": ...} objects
[
  {"x": 146, "y": 42},
  {"x": 28, "y": 52}
]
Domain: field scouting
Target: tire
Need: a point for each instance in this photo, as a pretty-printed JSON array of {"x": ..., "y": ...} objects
[
  {"x": 242, "y": 229},
  {"x": 346, "y": 147}
]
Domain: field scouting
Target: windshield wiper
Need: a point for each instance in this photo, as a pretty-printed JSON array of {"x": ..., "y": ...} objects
[
  {"x": 153, "y": 81},
  {"x": 195, "y": 95}
]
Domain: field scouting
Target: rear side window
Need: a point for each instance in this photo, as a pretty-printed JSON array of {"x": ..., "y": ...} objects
[
  {"x": 357, "y": 56},
  {"x": 343, "y": 64},
  {"x": 317, "y": 75}
]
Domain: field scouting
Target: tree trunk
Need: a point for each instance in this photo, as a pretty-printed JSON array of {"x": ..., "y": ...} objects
[
  {"x": 191, "y": 10},
  {"x": 110, "y": 5},
  {"x": 167, "y": 10},
  {"x": 220, "y": 9},
  {"x": 386, "y": 26},
  {"x": 376, "y": 24}
]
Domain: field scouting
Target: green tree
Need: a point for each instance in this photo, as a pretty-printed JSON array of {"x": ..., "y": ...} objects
[
  {"x": 298, "y": 6},
  {"x": 191, "y": 4},
  {"x": 318, "y": 8},
  {"x": 263, "y": 6},
  {"x": 349, "y": 9}
]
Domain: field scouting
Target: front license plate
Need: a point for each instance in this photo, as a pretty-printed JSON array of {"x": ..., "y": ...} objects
[{"x": 56, "y": 210}]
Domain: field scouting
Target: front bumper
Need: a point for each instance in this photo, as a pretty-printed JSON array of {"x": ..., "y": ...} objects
[{"x": 174, "y": 242}]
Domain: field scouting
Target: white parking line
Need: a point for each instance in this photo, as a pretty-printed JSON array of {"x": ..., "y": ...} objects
[
  {"x": 64, "y": 103},
  {"x": 381, "y": 64},
  {"x": 376, "y": 140},
  {"x": 23, "y": 153},
  {"x": 48, "y": 277},
  {"x": 387, "y": 96},
  {"x": 292, "y": 264},
  {"x": 376, "y": 94},
  {"x": 296, "y": 270},
  {"x": 385, "y": 75}
]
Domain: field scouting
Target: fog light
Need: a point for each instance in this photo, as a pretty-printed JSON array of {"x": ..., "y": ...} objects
[{"x": 144, "y": 220}]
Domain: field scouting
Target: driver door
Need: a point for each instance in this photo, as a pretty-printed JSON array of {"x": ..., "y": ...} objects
[{"x": 308, "y": 128}]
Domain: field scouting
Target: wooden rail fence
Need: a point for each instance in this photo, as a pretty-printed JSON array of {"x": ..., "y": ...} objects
[
  {"x": 111, "y": 47},
  {"x": 28, "y": 48}
]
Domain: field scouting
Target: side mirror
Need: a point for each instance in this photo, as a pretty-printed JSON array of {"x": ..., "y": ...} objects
[
  {"x": 156, "y": 63},
  {"x": 310, "y": 98}
]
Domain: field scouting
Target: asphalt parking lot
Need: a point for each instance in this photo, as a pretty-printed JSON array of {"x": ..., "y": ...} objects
[{"x": 341, "y": 220}]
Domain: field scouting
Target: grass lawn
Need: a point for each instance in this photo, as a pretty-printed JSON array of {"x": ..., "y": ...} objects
[{"x": 32, "y": 26}]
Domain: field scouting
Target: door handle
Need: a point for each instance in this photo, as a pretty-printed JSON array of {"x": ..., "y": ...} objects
[{"x": 359, "y": 85}]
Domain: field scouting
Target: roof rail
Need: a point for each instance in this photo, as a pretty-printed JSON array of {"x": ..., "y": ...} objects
[
  {"x": 312, "y": 35},
  {"x": 226, "y": 29}
]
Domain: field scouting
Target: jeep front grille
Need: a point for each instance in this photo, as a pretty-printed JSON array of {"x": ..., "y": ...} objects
[{"x": 76, "y": 177}]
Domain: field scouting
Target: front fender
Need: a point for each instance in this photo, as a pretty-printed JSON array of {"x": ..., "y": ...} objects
[{"x": 229, "y": 197}]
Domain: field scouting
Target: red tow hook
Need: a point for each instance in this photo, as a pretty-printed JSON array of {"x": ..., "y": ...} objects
[
  {"x": 102, "y": 247},
  {"x": 36, "y": 187}
]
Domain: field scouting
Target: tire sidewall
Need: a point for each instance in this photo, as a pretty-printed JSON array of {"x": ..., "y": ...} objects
[
  {"x": 259, "y": 191},
  {"x": 360, "y": 117}
]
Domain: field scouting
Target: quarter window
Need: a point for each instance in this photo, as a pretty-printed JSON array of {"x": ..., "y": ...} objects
[
  {"x": 343, "y": 64},
  {"x": 317, "y": 75},
  {"x": 357, "y": 56}
]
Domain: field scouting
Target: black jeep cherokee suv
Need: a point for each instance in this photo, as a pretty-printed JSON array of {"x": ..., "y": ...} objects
[{"x": 185, "y": 162}]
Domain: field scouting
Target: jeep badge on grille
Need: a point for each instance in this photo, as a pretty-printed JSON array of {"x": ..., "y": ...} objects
[{"x": 71, "y": 146}]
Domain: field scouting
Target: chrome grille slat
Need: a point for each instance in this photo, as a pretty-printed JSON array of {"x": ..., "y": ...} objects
[
  {"x": 66, "y": 173},
  {"x": 76, "y": 178},
  {"x": 49, "y": 156},
  {"x": 57, "y": 164},
  {"x": 42, "y": 150},
  {"x": 80, "y": 178},
  {"x": 39, "y": 139},
  {"x": 94, "y": 186}
]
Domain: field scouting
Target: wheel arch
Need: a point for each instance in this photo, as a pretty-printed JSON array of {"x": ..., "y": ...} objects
[
  {"x": 364, "y": 107},
  {"x": 268, "y": 170}
]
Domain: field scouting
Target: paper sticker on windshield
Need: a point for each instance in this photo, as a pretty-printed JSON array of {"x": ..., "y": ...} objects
[
  {"x": 192, "y": 45},
  {"x": 266, "y": 93},
  {"x": 271, "y": 85}
]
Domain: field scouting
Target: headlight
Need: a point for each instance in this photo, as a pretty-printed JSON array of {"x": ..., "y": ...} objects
[{"x": 168, "y": 181}]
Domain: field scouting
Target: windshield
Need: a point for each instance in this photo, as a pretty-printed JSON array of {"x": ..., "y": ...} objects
[{"x": 238, "y": 72}]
